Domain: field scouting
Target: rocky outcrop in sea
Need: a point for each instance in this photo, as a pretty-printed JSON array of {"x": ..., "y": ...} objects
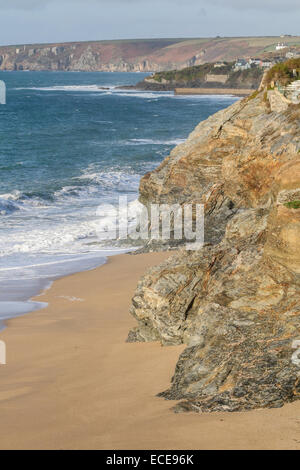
[{"x": 235, "y": 303}]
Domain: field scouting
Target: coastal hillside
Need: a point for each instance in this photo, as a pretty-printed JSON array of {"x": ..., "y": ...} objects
[
  {"x": 149, "y": 55},
  {"x": 204, "y": 76},
  {"x": 235, "y": 304}
]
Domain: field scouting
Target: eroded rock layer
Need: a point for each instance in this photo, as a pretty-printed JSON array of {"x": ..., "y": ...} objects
[{"x": 235, "y": 303}]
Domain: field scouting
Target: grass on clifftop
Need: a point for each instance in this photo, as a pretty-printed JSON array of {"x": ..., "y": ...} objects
[
  {"x": 293, "y": 205},
  {"x": 196, "y": 76},
  {"x": 190, "y": 73},
  {"x": 284, "y": 73}
]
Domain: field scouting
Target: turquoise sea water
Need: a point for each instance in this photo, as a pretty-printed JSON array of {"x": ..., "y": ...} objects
[{"x": 67, "y": 146}]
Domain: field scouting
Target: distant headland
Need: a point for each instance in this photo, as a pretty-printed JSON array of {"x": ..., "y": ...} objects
[{"x": 141, "y": 55}]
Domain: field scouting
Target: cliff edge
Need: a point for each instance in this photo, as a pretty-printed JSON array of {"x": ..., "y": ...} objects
[{"x": 235, "y": 304}]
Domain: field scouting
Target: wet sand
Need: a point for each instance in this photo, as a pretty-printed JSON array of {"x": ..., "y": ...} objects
[{"x": 72, "y": 382}]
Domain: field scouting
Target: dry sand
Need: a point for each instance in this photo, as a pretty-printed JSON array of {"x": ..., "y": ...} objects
[
  {"x": 214, "y": 91},
  {"x": 72, "y": 382}
]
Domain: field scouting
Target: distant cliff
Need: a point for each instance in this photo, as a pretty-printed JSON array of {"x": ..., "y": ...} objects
[
  {"x": 235, "y": 304},
  {"x": 150, "y": 55}
]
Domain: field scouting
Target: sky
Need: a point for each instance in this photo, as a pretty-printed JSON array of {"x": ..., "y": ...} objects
[{"x": 42, "y": 21}]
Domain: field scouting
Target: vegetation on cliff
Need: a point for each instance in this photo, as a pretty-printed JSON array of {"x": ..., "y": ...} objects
[
  {"x": 293, "y": 205},
  {"x": 284, "y": 73},
  {"x": 197, "y": 77},
  {"x": 192, "y": 74}
]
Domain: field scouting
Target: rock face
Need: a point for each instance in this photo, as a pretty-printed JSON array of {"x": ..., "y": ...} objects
[
  {"x": 235, "y": 304},
  {"x": 145, "y": 55},
  {"x": 105, "y": 56}
]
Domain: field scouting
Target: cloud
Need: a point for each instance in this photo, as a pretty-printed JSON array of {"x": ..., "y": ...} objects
[
  {"x": 271, "y": 5},
  {"x": 21, "y": 4},
  {"x": 38, "y": 4}
]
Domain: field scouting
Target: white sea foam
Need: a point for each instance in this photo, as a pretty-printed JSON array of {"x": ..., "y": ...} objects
[
  {"x": 71, "y": 193},
  {"x": 61, "y": 236},
  {"x": 104, "y": 89},
  {"x": 117, "y": 180},
  {"x": 13, "y": 196},
  {"x": 108, "y": 89},
  {"x": 155, "y": 142},
  {"x": 7, "y": 206},
  {"x": 214, "y": 98},
  {"x": 143, "y": 94},
  {"x": 70, "y": 88},
  {"x": 134, "y": 93},
  {"x": 73, "y": 233}
]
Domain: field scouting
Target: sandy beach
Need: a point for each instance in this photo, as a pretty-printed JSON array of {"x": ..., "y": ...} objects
[{"x": 72, "y": 382}]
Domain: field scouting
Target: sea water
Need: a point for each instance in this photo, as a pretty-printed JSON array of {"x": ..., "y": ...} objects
[{"x": 66, "y": 146}]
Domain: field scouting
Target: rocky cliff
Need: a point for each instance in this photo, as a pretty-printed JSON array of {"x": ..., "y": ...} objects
[
  {"x": 146, "y": 55},
  {"x": 105, "y": 56},
  {"x": 235, "y": 304}
]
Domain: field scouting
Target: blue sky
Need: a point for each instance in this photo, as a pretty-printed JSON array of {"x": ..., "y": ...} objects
[{"x": 30, "y": 21}]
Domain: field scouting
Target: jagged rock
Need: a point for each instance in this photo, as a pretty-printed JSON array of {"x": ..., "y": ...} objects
[
  {"x": 87, "y": 61},
  {"x": 235, "y": 303}
]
